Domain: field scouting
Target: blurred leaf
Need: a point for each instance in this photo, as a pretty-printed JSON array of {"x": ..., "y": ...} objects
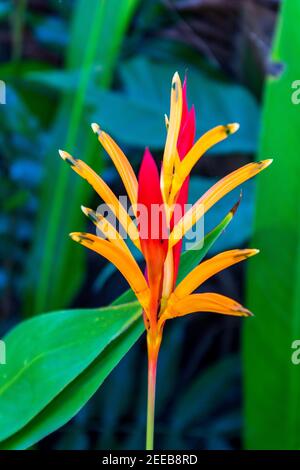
[
  {"x": 26, "y": 171},
  {"x": 65, "y": 81},
  {"x": 147, "y": 86},
  {"x": 3, "y": 279},
  {"x": 197, "y": 402},
  {"x": 53, "y": 285},
  {"x": 64, "y": 357},
  {"x": 15, "y": 201},
  {"x": 5, "y": 9},
  {"x": 52, "y": 32},
  {"x": 272, "y": 381}
]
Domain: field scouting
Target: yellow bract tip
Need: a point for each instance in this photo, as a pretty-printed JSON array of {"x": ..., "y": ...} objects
[
  {"x": 63, "y": 154},
  {"x": 253, "y": 252},
  {"x": 166, "y": 121},
  {"x": 234, "y": 127},
  {"x": 74, "y": 237},
  {"x": 95, "y": 127},
  {"x": 175, "y": 77}
]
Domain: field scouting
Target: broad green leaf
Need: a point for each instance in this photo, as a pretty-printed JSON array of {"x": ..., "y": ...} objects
[
  {"x": 192, "y": 257},
  {"x": 126, "y": 297},
  {"x": 47, "y": 353},
  {"x": 272, "y": 381},
  {"x": 67, "y": 403}
]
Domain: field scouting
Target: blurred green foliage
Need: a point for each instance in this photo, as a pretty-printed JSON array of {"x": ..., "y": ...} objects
[{"x": 272, "y": 381}]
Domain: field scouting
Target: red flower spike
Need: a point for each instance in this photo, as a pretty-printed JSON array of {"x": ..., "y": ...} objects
[{"x": 152, "y": 228}]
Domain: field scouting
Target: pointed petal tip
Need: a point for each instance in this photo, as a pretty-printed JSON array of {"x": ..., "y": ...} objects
[
  {"x": 236, "y": 205},
  {"x": 267, "y": 162},
  {"x": 232, "y": 128},
  {"x": 175, "y": 77},
  {"x": 166, "y": 121},
  {"x": 74, "y": 236},
  {"x": 244, "y": 312},
  {"x": 252, "y": 252},
  {"x": 90, "y": 214},
  {"x": 262, "y": 164},
  {"x": 95, "y": 128},
  {"x": 79, "y": 237},
  {"x": 245, "y": 253},
  {"x": 249, "y": 314},
  {"x": 176, "y": 84},
  {"x": 84, "y": 209},
  {"x": 67, "y": 157}
]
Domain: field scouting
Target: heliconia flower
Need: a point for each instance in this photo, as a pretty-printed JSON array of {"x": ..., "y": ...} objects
[{"x": 159, "y": 237}]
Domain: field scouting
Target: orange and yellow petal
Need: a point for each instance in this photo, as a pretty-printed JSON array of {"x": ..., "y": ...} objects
[
  {"x": 208, "y": 302},
  {"x": 123, "y": 261},
  {"x": 208, "y": 140},
  {"x": 209, "y": 268},
  {"x": 120, "y": 161},
  {"x": 170, "y": 152},
  {"x": 107, "y": 229},
  {"x": 105, "y": 193},
  {"x": 213, "y": 195}
]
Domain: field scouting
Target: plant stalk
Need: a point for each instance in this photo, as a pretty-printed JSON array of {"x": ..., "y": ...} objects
[{"x": 153, "y": 350}]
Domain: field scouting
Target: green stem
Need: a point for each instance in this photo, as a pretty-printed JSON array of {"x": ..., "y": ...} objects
[{"x": 152, "y": 369}]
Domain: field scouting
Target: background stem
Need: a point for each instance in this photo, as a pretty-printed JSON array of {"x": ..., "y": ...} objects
[{"x": 18, "y": 20}]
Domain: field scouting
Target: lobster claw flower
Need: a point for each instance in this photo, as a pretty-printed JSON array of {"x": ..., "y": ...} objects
[{"x": 158, "y": 229}]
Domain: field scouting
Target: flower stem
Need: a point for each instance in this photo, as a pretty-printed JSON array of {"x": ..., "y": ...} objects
[{"x": 152, "y": 369}]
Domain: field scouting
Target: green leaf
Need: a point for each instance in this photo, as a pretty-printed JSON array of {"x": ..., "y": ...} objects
[
  {"x": 272, "y": 381},
  {"x": 69, "y": 402},
  {"x": 52, "y": 356},
  {"x": 192, "y": 257}
]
